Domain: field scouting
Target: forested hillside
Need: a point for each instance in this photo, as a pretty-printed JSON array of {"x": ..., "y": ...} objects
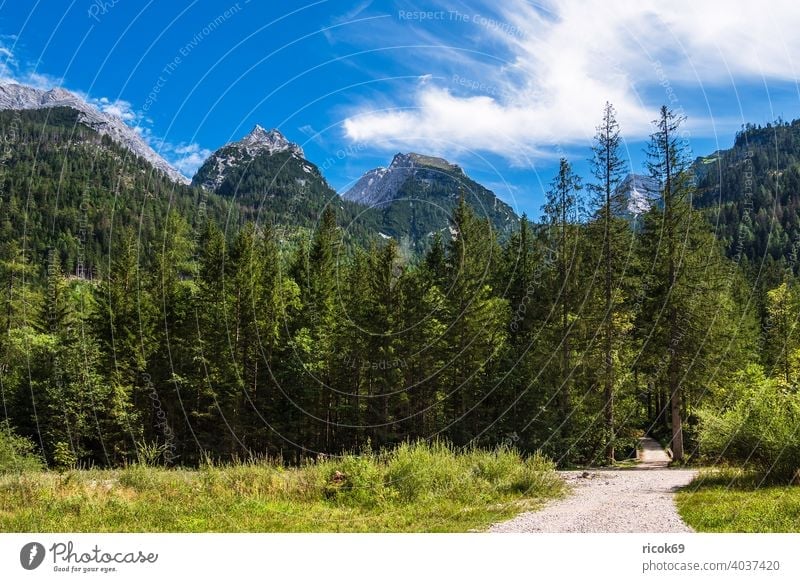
[
  {"x": 751, "y": 193},
  {"x": 65, "y": 189}
]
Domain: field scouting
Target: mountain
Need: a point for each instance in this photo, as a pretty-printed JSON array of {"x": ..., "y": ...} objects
[
  {"x": 415, "y": 195},
  {"x": 22, "y": 97},
  {"x": 381, "y": 185},
  {"x": 639, "y": 193},
  {"x": 233, "y": 159},
  {"x": 269, "y": 179}
]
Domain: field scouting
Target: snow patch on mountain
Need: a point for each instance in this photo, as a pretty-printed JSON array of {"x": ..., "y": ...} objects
[{"x": 21, "y": 97}]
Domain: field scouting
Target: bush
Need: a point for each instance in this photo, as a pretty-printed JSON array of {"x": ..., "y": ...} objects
[
  {"x": 64, "y": 457},
  {"x": 17, "y": 454},
  {"x": 506, "y": 471},
  {"x": 419, "y": 472},
  {"x": 354, "y": 479},
  {"x": 760, "y": 429}
]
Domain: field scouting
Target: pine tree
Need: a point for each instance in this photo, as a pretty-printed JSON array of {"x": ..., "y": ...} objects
[
  {"x": 608, "y": 170},
  {"x": 421, "y": 348},
  {"x": 477, "y": 320},
  {"x": 526, "y": 264},
  {"x": 668, "y": 164},
  {"x": 317, "y": 273},
  {"x": 385, "y": 377},
  {"x": 562, "y": 212},
  {"x": 212, "y": 403},
  {"x": 123, "y": 324},
  {"x": 169, "y": 284}
]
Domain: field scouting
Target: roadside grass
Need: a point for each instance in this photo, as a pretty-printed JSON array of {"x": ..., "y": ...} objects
[
  {"x": 733, "y": 500},
  {"x": 414, "y": 488}
]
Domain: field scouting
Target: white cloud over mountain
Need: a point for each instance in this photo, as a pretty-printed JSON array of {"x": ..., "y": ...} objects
[{"x": 561, "y": 60}]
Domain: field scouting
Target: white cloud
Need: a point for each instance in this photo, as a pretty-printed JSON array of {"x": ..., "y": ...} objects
[
  {"x": 12, "y": 72},
  {"x": 348, "y": 16},
  {"x": 118, "y": 108},
  {"x": 40, "y": 80},
  {"x": 7, "y": 63},
  {"x": 564, "y": 59},
  {"x": 185, "y": 157},
  {"x": 312, "y": 134}
]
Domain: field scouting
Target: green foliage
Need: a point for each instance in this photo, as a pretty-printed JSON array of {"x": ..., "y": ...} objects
[
  {"x": 751, "y": 192},
  {"x": 354, "y": 479},
  {"x": 416, "y": 470},
  {"x": 782, "y": 340},
  {"x": 64, "y": 456},
  {"x": 62, "y": 186},
  {"x": 152, "y": 454},
  {"x": 17, "y": 454},
  {"x": 757, "y": 429}
]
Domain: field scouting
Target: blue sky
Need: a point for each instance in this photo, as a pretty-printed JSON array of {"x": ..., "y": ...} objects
[{"x": 503, "y": 91}]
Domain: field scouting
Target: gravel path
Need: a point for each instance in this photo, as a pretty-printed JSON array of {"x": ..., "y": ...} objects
[{"x": 638, "y": 500}]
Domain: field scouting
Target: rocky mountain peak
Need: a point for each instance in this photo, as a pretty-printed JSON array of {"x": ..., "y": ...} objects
[
  {"x": 381, "y": 185},
  {"x": 240, "y": 154},
  {"x": 260, "y": 140},
  {"x": 414, "y": 160}
]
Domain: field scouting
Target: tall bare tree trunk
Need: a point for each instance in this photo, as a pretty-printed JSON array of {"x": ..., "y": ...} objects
[{"x": 609, "y": 364}]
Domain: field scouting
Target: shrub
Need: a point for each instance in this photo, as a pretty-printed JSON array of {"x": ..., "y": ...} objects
[
  {"x": 760, "y": 428},
  {"x": 17, "y": 454},
  {"x": 420, "y": 470},
  {"x": 64, "y": 456},
  {"x": 354, "y": 479}
]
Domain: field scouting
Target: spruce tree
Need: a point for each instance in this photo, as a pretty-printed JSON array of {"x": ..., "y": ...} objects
[
  {"x": 668, "y": 164},
  {"x": 608, "y": 169},
  {"x": 562, "y": 213}
]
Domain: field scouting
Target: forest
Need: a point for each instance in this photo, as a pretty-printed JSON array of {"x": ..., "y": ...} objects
[{"x": 145, "y": 320}]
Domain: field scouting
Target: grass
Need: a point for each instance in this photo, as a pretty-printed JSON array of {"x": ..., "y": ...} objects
[
  {"x": 732, "y": 500},
  {"x": 414, "y": 488}
]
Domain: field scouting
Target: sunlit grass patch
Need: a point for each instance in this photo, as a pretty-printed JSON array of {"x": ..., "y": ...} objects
[
  {"x": 415, "y": 487},
  {"x": 732, "y": 500}
]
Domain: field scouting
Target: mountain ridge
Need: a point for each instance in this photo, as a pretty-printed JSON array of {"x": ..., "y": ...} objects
[
  {"x": 416, "y": 194},
  {"x": 14, "y": 96}
]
